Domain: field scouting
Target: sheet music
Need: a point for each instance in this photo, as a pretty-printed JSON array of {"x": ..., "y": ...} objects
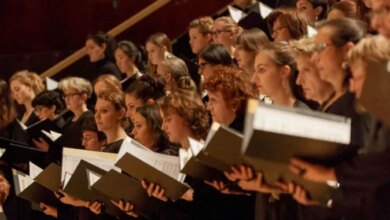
[
  {"x": 51, "y": 84},
  {"x": 34, "y": 170},
  {"x": 265, "y": 10},
  {"x": 126, "y": 146},
  {"x": 72, "y": 157},
  {"x": 52, "y": 135},
  {"x": 24, "y": 181},
  {"x": 164, "y": 163},
  {"x": 295, "y": 124},
  {"x": 311, "y": 31},
  {"x": 236, "y": 13},
  {"x": 93, "y": 177}
]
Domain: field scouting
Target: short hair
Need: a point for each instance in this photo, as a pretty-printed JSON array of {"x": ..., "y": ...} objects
[
  {"x": 348, "y": 8},
  {"x": 145, "y": 88},
  {"x": 203, "y": 24},
  {"x": 115, "y": 97},
  {"x": 370, "y": 49},
  {"x": 234, "y": 84},
  {"x": 80, "y": 84},
  {"x": 111, "y": 81},
  {"x": 89, "y": 124},
  {"x": 29, "y": 79},
  {"x": 190, "y": 107},
  {"x": 48, "y": 99},
  {"x": 252, "y": 40},
  {"x": 229, "y": 24},
  {"x": 345, "y": 30},
  {"x": 291, "y": 19},
  {"x": 304, "y": 46},
  {"x": 153, "y": 119},
  {"x": 215, "y": 54}
]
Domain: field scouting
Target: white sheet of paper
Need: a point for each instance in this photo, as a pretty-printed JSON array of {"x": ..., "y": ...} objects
[
  {"x": 184, "y": 157},
  {"x": 22, "y": 125},
  {"x": 164, "y": 163},
  {"x": 66, "y": 179},
  {"x": 51, "y": 84},
  {"x": 93, "y": 177},
  {"x": 34, "y": 170},
  {"x": 71, "y": 158},
  {"x": 311, "y": 31},
  {"x": 291, "y": 123},
  {"x": 2, "y": 151},
  {"x": 265, "y": 10},
  {"x": 196, "y": 146},
  {"x": 52, "y": 135},
  {"x": 127, "y": 144},
  {"x": 24, "y": 181},
  {"x": 236, "y": 13}
]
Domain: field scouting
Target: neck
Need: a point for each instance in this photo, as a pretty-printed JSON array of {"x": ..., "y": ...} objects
[
  {"x": 229, "y": 120},
  {"x": 115, "y": 134},
  {"x": 325, "y": 95},
  {"x": 132, "y": 71},
  {"x": 79, "y": 111},
  {"x": 185, "y": 143},
  {"x": 284, "y": 98},
  {"x": 28, "y": 106}
]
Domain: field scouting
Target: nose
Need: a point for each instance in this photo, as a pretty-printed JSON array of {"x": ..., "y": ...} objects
[{"x": 298, "y": 81}]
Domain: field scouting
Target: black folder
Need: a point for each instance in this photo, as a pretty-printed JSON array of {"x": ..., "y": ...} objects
[
  {"x": 36, "y": 130},
  {"x": 78, "y": 187},
  {"x": 123, "y": 187},
  {"x": 375, "y": 96},
  {"x": 50, "y": 177},
  {"x": 140, "y": 170},
  {"x": 35, "y": 192},
  {"x": 196, "y": 169},
  {"x": 17, "y": 152},
  {"x": 281, "y": 147}
]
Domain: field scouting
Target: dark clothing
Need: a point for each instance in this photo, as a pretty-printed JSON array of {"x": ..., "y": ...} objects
[
  {"x": 106, "y": 66},
  {"x": 72, "y": 133},
  {"x": 113, "y": 147},
  {"x": 18, "y": 134}
]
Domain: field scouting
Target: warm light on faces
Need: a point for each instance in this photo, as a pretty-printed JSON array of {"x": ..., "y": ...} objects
[
  {"x": 219, "y": 110},
  {"x": 305, "y": 8},
  {"x": 221, "y": 35},
  {"x": 155, "y": 53},
  {"x": 90, "y": 141},
  {"x": 197, "y": 40},
  {"x": 100, "y": 87},
  {"x": 358, "y": 69},
  {"x": 94, "y": 51},
  {"x": 73, "y": 99},
  {"x": 124, "y": 62},
  {"x": 245, "y": 59},
  {"x": 106, "y": 116},
  {"x": 267, "y": 76},
  {"x": 280, "y": 31},
  {"x": 132, "y": 103},
  {"x": 174, "y": 126},
  {"x": 21, "y": 93},
  {"x": 141, "y": 131}
]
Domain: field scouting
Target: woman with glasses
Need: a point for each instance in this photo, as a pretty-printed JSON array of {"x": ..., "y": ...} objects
[
  {"x": 76, "y": 92},
  {"x": 225, "y": 30},
  {"x": 212, "y": 55}
]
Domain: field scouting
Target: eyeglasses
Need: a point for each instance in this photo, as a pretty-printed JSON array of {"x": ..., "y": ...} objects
[
  {"x": 71, "y": 94},
  {"x": 87, "y": 138},
  {"x": 217, "y": 32},
  {"x": 319, "y": 47}
]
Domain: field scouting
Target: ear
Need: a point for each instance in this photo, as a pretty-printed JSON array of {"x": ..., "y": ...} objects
[
  {"x": 347, "y": 47},
  {"x": 150, "y": 102},
  {"x": 286, "y": 71},
  {"x": 168, "y": 77},
  {"x": 318, "y": 10},
  {"x": 104, "y": 46},
  {"x": 84, "y": 96}
]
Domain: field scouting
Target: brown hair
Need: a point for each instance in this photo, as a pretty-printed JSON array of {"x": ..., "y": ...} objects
[
  {"x": 304, "y": 46},
  {"x": 252, "y": 39},
  {"x": 29, "y": 79},
  {"x": 189, "y": 106},
  {"x": 115, "y": 97},
  {"x": 203, "y": 24},
  {"x": 234, "y": 84},
  {"x": 348, "y": 8},
  {"x": 7, "y": 108},
  {"x": 291, "y": 19},
  {"x": 229, "y": 24},
  {"x": 112, "y": 82},
  {"x": 161, "y": 40}
]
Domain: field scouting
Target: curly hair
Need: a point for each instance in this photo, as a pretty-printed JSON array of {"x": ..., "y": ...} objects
[
  {"x": 188, "y": 105},
  {"x": 30, "y": 79},
  {"x": 110, "y": 80},
  {"x": 234, "y": 84},
  {"x": 203, "y": 24}
]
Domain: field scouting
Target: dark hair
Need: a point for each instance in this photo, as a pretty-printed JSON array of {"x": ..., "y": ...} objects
[
  {"x": 294, "y": 22},
  {"x": 345, "y": 30},
  {"x": 146, "y": 88},
  {"x": 153, "y": 119},
  {"x": 48, "y": 99},
  {"x": 89, "y": 124},
  {"x": 131, "y": 50},
  {"x": 323, "y": 4},
  {"x": 215, "y": 54},
  {"x": 348, "y": 8},
  {"x": 7, "y": 107},
  {"x": 101, "y": 38},
  {"x": 252, "y": 39}
]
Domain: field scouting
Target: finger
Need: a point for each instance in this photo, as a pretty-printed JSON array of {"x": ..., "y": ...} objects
[
  {"x": 144, "y": 185},
  {"x": 294, "y": 168},
  {"x": 249, "y": 172},
  {"x": 115, "y": 203},
  {"x": 300, "y": 163},
  {"x": 150, "y": 189}
]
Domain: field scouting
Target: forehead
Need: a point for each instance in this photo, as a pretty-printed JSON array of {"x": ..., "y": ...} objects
[
  {"x": 194, "y": 31},
  {"x": 138, "y": 117},
  {"x": 103, "y": 103},
  {"x": 89, "y": 133},
  {"x": 263, "y": 58},
  {"x": 377, "y": 4},
  {"x": 91, "y": 42},
  {"x": 151, "y": 45},
  {"x": 324, "y": 35},
  {"x": 70, "y": 90}
]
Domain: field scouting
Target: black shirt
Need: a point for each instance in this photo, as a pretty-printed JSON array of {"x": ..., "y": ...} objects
[{"x": 72, "y": 133}]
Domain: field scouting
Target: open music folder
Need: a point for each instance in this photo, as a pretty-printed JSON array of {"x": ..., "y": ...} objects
[
  {"x": 144, "y": 164},
  {"x": 17, "y": 152},
  {"x": 45, "y": 129},
  {"x": 118, "y": 186}
]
